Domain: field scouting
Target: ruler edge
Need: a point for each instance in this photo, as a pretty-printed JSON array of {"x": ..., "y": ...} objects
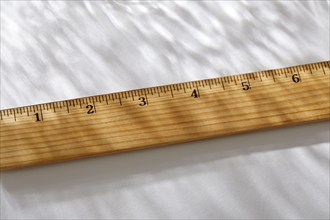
[{"x": 152, "y": 87}]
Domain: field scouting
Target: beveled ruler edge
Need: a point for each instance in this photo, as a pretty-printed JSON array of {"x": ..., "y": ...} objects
[
  {"x": 195, "y": 95},
  {"x": 315, "y": 65}
]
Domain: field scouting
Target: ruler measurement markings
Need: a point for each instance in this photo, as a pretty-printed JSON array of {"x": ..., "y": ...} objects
[
  {"x": 299, "y": 75},
  {"x": 310, "y": 69},
  {"x": 93, "y": 101},
  {"x": 260, "y": 76},
  {"x": 119, "y": 99},
  {"x": 198, "y": 93},
  {"x": 223, "y": 85},
  {"x": 234, "y": 102},
  {"x": 42, "y": 115},
  {"x": 147, "y": 97},
  {"x": 121, "y": 95},
  {"x": 14, "y": 114},
  {"x": 215, "y": 82},
  {"x": 230, "y": 78},
  {"x": 289, "y": 71},
  {"x": 234, "y": 79},
  {"x": 247, "y": 106},
  {"x": 42, "y": 104},
  {"x": 184, "y": 88},
  {"x": 67, "y": 106},
  {"x": 323, "y": 70},
  {"x": 171, "y": 91},
  {"x": 254, "y": 76},
  {"x": 271, "y": 72},
  {"x": 201, "y": 83},
  {"x": 177, "y": 87}
]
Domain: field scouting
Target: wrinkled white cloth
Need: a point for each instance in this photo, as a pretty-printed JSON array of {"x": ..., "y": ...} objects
[{"x": 54, "y": 50}]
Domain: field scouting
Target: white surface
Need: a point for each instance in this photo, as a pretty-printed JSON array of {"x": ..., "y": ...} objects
[{"x": 57, "y": 50}]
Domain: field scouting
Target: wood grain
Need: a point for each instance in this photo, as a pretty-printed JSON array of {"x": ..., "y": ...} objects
[{"x": 144, "y": 118}]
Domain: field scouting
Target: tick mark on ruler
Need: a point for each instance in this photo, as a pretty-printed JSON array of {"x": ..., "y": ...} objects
[
  {"x": 14, "y": 115},
  {"x": 106, "y": 99},
  {"x": 223, "y": 85},
  {"x": 323, "y": 69},
  {"x": 272, "y": 75},
  {"x": 171, "y": 91},
  {"x": 299, "y": 75},
  {"x": 146, "y": 97},
  {"x": 198, "y": 91},
  {"x": 119, "y": 99},
  {"x": 67, "y": 106},
  {"x": 94, "y": 105}
]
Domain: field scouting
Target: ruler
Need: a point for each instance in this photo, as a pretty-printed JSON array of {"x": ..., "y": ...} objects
[{"x": 144, "y": 118}]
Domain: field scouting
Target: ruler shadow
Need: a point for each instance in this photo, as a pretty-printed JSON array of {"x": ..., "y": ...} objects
[{"x": 83, "y": 178}]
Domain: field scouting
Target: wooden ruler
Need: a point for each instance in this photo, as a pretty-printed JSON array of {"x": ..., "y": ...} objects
[{"x": 125, "y": 121}]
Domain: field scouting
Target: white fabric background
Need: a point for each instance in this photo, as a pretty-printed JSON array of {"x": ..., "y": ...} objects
[{"x": 66, "y": 49}]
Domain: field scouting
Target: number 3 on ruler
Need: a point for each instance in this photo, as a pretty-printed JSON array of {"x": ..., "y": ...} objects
[{"x": 143, "y": 101}]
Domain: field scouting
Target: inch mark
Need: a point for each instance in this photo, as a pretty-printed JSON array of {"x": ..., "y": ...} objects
[
  {"x": 299, "y": 75},
  {"x": 199, "y": 94},
  {"x": 94, "y": 104}
]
